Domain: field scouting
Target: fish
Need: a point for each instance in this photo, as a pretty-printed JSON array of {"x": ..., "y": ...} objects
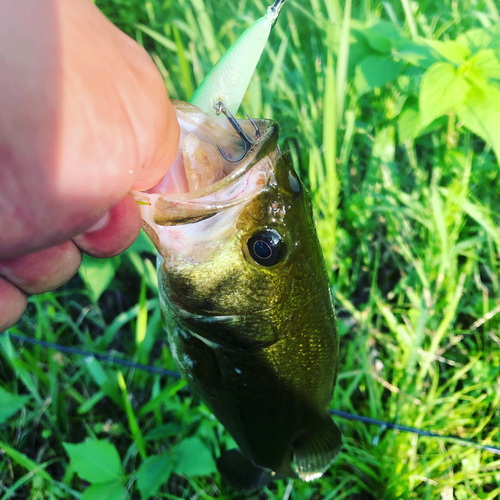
[{"x": 244, "y": 294}]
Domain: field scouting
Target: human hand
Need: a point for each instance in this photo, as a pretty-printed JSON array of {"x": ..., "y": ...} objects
[{"x": 85, "y": 119}]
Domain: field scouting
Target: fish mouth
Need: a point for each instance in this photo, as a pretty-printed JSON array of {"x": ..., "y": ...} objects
[{"x": 175, "y": 200}]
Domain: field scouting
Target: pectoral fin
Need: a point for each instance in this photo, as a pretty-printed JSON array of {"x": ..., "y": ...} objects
[
  {"x": 315, "y": 449},
  {"x": 241, "y": 473}
]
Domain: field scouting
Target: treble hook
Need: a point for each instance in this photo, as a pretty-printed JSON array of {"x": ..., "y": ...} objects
[{"x": 220, "y": 107}]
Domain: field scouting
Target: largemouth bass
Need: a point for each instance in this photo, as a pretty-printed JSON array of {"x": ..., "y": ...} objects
[
  {"x": 246, "y": 298},
  {"x": 243, "y": 287}
]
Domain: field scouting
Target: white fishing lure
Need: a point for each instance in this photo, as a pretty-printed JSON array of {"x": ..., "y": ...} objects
[{"x": 230, "y": 77}]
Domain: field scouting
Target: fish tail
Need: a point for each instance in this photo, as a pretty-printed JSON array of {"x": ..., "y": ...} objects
[{"x": 315, "y": 449}]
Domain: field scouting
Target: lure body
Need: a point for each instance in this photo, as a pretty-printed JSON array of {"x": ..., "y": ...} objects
[{"x": 229, "y": 79}]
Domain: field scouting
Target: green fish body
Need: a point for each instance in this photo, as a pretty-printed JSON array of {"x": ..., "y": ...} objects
[{"x": 246, "y": 301}]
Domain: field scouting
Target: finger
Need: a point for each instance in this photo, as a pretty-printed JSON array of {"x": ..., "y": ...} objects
[
  {"x": 43, "y": 271},
  {"x": 167, "y": 132},
  {"x": 12, "y": 304},
  {"x": 120, "y": 229}
]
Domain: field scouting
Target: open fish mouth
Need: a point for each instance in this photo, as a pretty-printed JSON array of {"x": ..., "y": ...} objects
[{"x": 204, "y": 180}]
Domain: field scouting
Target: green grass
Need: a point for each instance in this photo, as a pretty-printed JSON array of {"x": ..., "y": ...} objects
[{"x": 407, "y": 200}]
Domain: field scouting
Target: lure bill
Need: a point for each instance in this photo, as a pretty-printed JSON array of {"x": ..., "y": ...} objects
[{"x": 243, "y": 287}]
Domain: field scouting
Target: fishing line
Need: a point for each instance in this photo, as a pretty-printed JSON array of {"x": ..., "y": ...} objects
[
  {"x": 414, "y": 430},
  {"x": 168, "y": 373},
  {"x": 87, "y": 354}
]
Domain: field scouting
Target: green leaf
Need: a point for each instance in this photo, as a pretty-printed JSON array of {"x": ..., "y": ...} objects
[
  {"x": 113, "y": 490},
  {"x": 487, "y": 62},
  {"x": 408, "y": 125},
  {"x": 483, "y": 216},
  {"x": 24, "y": 461},
  {"x": 95, "y": 461},
  {"x": 387, "y": 29},
  {"x": 375, "y": 71},
  {"x": 358, "y": 49},
  {"x": 481, "y": 38},
  {"x": 441, "y": 90},
  {"x": 10, "y": 404},
  {"x": 163, "y": 431},
  {"x": 409, "y": 82},
  {"x": 108, "y": 384},
  {"x": 154, "y": 472},
  {"x": 192, "y": 457},
  {"x": 382, "y": 36},
  {"x": 452, "y": 51},
  {"x": 480, "y": 112},
  {"x": 98, "y": 273},
  {"x": 378, "y": 42},
  {"x": 418, "y": 54}
]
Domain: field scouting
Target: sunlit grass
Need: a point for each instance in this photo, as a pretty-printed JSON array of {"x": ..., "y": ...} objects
[{"x": 409, "y": 227}]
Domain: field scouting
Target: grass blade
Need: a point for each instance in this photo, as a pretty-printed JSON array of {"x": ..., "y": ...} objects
[{"x": 132, "y": 420}]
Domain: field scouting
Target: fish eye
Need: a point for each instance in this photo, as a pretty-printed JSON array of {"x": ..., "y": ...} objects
[{"x": 265, "y": 248}]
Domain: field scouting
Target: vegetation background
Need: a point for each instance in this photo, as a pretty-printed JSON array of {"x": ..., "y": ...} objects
[{"x": 391, "y": 111}]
